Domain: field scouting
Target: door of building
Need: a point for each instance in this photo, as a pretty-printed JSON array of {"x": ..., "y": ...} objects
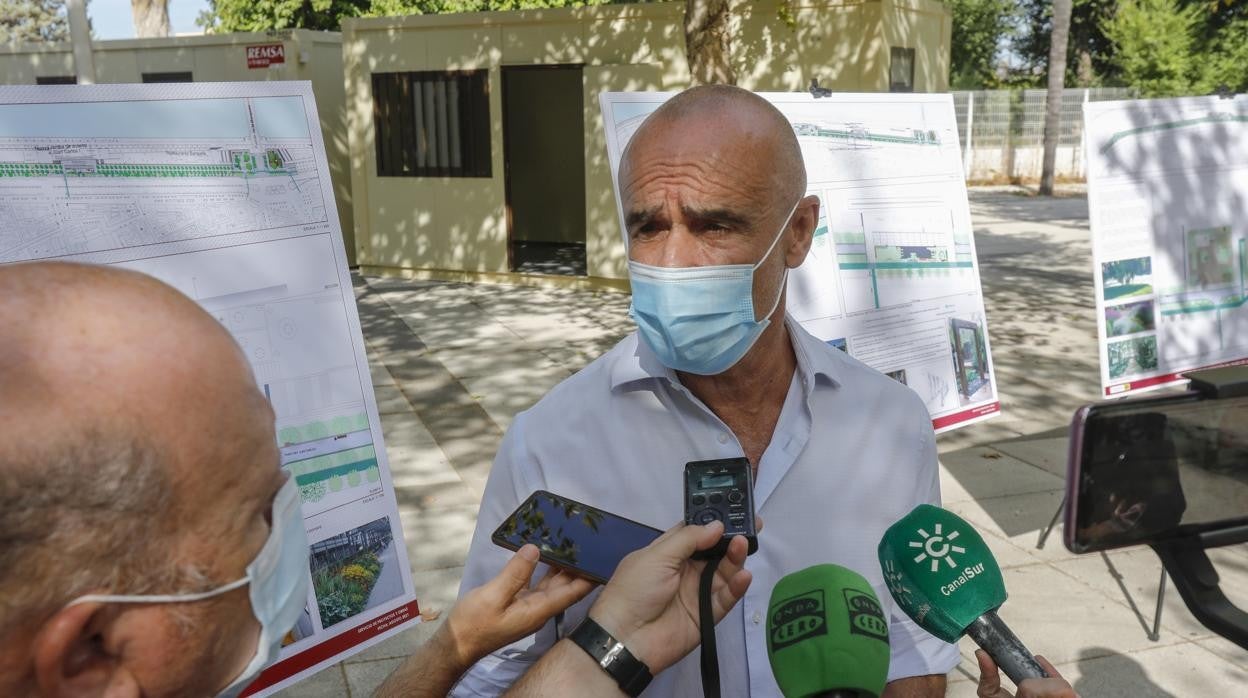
[{"x": 544, "y": 151}]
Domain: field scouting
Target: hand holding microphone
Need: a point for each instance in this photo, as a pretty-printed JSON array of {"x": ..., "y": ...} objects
[{"x": 990, "y": 682}]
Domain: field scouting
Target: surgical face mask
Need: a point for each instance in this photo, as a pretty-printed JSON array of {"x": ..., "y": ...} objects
[
  {"x": 279, "y": 585},
  {"x": 701, "y": 319}
]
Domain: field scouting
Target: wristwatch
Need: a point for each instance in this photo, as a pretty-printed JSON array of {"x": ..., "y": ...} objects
[{"x": 629, "y": 672}]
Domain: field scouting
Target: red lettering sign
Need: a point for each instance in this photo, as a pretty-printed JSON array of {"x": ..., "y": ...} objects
[{"x": 264, "y": 55}]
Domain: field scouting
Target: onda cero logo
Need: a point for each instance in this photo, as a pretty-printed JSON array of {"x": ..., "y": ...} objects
[
  {"x": 865, "y": 615},
  {"x": 797, "y": 618}
]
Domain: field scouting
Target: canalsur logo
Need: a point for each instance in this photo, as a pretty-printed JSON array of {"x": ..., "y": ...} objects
[
  {"x": 796, "y": 619},
  {"x": 865, "y": 615},
  {"x": 936, "y": 547}
]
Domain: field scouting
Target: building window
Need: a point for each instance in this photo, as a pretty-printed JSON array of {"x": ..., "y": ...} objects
[
  {"x": 167, "y": 77},
  {"x": 56, "y": 80},
  {"x": 432, "y": 124},
  {"x": 901, "y": 70}
]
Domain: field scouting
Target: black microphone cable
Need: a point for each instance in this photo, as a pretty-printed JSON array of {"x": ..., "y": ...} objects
[{"x": 706, "y": 626}]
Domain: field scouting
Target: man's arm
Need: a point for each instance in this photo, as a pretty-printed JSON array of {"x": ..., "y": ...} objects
[
  {"x": 651, "y": 606},
  {"x": 501, "y": 611},
  {"x": 930, "y": 686}
]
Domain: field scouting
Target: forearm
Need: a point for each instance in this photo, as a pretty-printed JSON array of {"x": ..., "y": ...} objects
[
  {"x": 930, "y": 686},
  {"x": 430, "y": 672},
  {"x": 566, "y": 670}
]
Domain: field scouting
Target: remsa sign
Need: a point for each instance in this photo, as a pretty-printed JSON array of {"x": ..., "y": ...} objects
[{"x": 264, "y": 55}]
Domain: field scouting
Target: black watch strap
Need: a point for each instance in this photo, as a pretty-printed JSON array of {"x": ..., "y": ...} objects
[{"x": 629, "y": 672}]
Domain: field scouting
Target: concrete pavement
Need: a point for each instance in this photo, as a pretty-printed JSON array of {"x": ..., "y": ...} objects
[
  {"x": 453, "y": 363},
  {"x": 389, "y": 582}
]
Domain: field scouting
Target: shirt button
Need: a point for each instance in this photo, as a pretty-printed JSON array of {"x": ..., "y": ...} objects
[
  {"x": 723, "y": 438},
  {"x": 758, "y": 618}
]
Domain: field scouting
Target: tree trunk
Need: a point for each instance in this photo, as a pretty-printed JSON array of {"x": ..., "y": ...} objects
[
  {"x": 151, "y": 18},
  {"x": 708, "y": 42},
  {"x": 1053, "y": 100}
]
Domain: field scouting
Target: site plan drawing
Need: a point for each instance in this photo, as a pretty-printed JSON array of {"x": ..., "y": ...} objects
[
  {"x": 891, "y": 278},
  {"x": 1167, "y": 190},
  {"x": 223, "y": 191}
]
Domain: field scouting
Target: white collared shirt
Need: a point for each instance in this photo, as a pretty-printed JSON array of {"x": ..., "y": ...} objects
[{"x": 852, "y": 452}]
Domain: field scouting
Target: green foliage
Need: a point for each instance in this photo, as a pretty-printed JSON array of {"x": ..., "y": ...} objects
[
  {"x": 33, "y": 21},
  {"x": 224, "y": 16},
  {"x": 266, "y": 15},
  {"x": 1227, "y": 59},
  {"x": 1089, "y": 51},
  {"x": 979, "y": 29},
  {"x": 1214, "y": 31},
  {"x": 342, "y": 590},
  {"x": 1155, "y": 47},
  {"x": 1124, "y": 271}
]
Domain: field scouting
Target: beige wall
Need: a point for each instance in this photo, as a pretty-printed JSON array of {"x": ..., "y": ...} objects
[
  {"x": 456, "y": 227},
  {"x": 217, "y": 58},
  {"x": 924, "y": 25}
]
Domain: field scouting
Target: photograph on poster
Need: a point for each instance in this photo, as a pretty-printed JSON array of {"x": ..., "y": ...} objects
[
  {"x": 1132, "y": 356},
  {"x": 1129, "y": 318},
  {"x": 355, "y": 571},
  {"x": 970, "y": 358},
  {"x": 1127, "y": 277}
]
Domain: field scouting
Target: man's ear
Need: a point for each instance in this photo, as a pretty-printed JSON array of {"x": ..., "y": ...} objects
[
  {"x": 71, "y": 655},
  {"x": 805, "y": 218}
]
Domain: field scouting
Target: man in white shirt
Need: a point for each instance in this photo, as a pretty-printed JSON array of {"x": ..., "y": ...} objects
[{"x": 714, "y": 188}]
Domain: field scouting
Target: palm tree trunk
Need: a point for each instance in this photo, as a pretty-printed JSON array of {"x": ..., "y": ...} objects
[
  {"x": 708, "y": 42},
  {"x": 151, "y": 18},
  {"x": 1053, "y": 100}
]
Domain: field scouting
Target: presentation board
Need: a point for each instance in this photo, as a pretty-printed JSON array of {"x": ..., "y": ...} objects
[
  {"x": 891, "y": 278},
  {"x": 1167, "y": 191},
  {"x": 223, "y": 192}
]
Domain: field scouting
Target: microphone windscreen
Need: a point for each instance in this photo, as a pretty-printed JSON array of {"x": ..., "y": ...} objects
[
  {"x": 939, "y": 571},
  {"x": 826, "y": 632}
]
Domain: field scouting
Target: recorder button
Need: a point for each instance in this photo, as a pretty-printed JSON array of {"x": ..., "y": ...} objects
[
  {"x": 735, "y": 497},
  {"x": 707, "y": 516},
  {"x": 698, "y": 500},
  {"x": 717, "y": 498}
]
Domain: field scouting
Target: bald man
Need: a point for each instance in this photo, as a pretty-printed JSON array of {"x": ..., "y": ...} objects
[
  {"x": 714, "y": 195},
  {"x": 150, "y": 544}
]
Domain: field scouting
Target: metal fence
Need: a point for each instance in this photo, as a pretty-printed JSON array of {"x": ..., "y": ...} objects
[{"x": 1006, "y": 132}]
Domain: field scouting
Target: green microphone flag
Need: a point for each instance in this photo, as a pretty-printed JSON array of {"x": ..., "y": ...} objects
[
  {"x": 940, "y": 571},
  {"x": 827, "y": 634},
  {"x": 942, "y": 574}
]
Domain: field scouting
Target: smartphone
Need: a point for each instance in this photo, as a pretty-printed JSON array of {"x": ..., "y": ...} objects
[
  {"x": 573, "y": 536},
  {"x": 1147, "y": 469}
]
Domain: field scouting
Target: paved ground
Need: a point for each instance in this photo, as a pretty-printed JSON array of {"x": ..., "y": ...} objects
[
  {"x": 453, "y": 363},
  {"x": 389, "y": 583}
]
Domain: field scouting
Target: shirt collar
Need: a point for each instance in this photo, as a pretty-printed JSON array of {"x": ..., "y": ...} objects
[{"x": 815, "y": 360}]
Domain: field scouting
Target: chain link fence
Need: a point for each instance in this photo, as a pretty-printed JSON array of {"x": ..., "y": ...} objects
[{"x": 1006, "y": 132}]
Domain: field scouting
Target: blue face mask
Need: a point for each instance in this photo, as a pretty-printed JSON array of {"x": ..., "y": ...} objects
[
  {"x": 700, "y": 319},
  {"x": 278, "y": 577}
]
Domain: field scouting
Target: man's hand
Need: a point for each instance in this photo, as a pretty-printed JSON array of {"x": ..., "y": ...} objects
[
  {"x": 990, "y": 681},
  {"x": 505, "y": 609},
  {"x": 494, "y": 614},
  {"x": 651, "y": 603}
]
